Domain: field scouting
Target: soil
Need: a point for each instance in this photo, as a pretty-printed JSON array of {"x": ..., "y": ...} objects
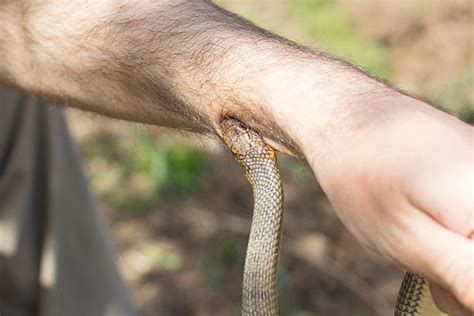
[{"x": 430, "y": 42}]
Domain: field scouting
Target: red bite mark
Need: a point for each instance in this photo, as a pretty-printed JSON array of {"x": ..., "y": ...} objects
[{"x": 471, "y": 235}]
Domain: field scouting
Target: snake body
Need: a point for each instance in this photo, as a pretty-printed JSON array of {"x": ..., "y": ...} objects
[
  {"x": 414, "y": 298},
  {"x": 258, "y": 160},
  {"x": 259, "y": 289}
]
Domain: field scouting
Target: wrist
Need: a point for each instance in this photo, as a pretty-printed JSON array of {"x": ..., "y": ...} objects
[
  {"x": 316, "y": 100},
  {"x": 331, "y": 108}
]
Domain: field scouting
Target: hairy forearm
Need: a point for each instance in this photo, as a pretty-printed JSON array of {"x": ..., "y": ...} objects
[
  {"x": 107, "y": 57},
  {"x": 127, "y": 58},
  {"x": 183, "y": 64}
]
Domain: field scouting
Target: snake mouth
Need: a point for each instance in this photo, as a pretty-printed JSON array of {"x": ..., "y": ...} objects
[
  {"x": 231, "y": 124},
  {"x": 235, "y": 134}
]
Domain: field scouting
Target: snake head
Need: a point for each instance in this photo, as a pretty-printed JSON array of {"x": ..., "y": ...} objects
[
  {"x": 238, "y": 137},
  {"x": 247, "y": 146}
]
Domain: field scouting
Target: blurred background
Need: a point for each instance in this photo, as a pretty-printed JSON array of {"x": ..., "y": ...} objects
[{"x": 179, "y": 209}]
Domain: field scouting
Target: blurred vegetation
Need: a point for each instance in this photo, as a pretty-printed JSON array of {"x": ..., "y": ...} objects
[
  {"x": 226, "y": 257},
  {"x": 165, "y": 259},
  {"x": 131, "y": 173},
  {"x": 458, "y": 98},
  {"x": 325, "y": 24}
]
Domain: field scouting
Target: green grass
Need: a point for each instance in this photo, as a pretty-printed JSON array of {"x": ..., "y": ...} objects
[
  {"x": 131, "y": 173},
  {"x": 458, "y": 98},
  {"x": 299, "y": 170},
  {"x": 323, "y": 25},
  {"x": 331, "y": 30},
  {"x": 217, "y": 265},
  {"x": 175, "y": 169},
  {"x": 164, "y": 259}
]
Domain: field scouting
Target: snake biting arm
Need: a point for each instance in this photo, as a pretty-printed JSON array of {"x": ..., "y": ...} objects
[
  {"x": 398, "y": 171},
  {"x": 176, "y": 63}
]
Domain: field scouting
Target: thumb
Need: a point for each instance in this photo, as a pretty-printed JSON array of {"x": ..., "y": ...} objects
[
  {"x": 442, "y": 256},
  {"x": 445, "y": 300}
]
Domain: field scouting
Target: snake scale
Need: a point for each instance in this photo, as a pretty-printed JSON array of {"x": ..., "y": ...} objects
[{"x": 259, "y": 289}]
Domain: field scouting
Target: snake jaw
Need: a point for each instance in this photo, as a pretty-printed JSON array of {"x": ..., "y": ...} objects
[
  {"x": 245, "y": 143},
  {"x": 239, "y": 138}
]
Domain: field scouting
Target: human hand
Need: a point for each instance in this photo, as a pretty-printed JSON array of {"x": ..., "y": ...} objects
[{"x": 401, "y": 180}]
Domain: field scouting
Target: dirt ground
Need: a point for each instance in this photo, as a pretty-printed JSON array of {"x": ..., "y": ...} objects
[
  {"x": 430, "y": 42},
  {"x": 185, "y": 255}
]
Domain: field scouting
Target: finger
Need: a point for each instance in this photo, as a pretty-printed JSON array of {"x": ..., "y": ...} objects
[
  {"x": 441, "y": 255},
  {"x": 445, "y": 301}
]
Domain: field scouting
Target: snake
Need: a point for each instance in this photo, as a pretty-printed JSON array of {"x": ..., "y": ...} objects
[{"x": 260, "y": 285}]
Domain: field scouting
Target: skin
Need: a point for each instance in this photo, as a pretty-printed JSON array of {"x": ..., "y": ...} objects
[{"x": 398, "y": 172}]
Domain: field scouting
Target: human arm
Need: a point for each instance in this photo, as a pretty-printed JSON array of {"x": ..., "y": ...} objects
[{"x": 184, "y": 64}]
